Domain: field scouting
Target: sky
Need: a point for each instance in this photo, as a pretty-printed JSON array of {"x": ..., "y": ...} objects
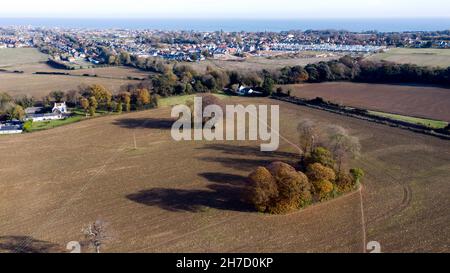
[{"x": 226, "y": 9}]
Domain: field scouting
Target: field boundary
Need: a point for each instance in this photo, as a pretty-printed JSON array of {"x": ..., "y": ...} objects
[{"x": 363, "y": 115}]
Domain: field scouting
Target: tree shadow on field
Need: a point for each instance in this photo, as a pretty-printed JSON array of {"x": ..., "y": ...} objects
[
  {"x": 241, "y": 164},
  {"x": 145, "y": 123},
  {"x": 26, "y": 244},
  {"x": 247, "y": 151},
  {"x": 226, "y": 193},
  {"x": 247, "y": 158}
]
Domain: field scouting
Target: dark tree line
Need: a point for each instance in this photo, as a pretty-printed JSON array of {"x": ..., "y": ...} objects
[{"x": 360, "y": 70}]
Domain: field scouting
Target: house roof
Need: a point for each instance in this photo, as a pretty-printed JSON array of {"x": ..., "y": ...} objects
[
  {"x": 10, "y": 128},
  {"x": 32, "y": 110}
]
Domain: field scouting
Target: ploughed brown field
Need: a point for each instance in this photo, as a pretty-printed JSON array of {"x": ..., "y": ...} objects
[
  {"x": 168, "y": 196},
  {"x": 418, "y": 101},
  {"x": 27, "y": 83}
]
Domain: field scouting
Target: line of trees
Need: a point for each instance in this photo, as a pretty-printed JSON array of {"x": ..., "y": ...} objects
[
  {"x": 91, "y": 98},
  {"x": 346, "y": 68},
  {"x": 361, "y": 70},
  {"x": 96, "y": 97},
  {"x": 180, "y": 79}
]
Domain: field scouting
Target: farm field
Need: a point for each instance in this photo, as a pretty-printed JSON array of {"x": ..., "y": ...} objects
[
  {"x": 166, "y": 196},
  {"x": 257, "y": 63},
  {"x": 415, "y": 101},
  {"x": 31, "y": 60},
  {"x": 40, "y": 85},
  {"x": 20, "y": 56},
  {"x": 117, "y": 72},
  {"x": 420, "y": 56}
]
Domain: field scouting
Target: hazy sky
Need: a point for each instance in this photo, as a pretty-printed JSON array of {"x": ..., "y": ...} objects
[{"x": 254, "y": 9}]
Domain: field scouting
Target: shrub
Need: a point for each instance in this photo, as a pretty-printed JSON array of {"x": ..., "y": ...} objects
[
  {"x": 318, "y": 172},
  {"x": 321, "y": 155},
  {"x": 28, "y": 125},
  {"x": 323, "y": 188},
  {"x": 263, "y": 189},
  {"x": 345, "y": 183},
  {"x": 305, "y": 196},
  {"x": 357, "y": 175}
]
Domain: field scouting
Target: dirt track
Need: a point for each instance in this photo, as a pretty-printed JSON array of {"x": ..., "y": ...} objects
[
  {"x": 184, "y": 197},
  {"x": 418, "y": 101}
]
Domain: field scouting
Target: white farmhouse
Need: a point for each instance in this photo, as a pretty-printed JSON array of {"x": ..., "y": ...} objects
[
  {"x": 60, "y": 108},
  {"x": 59, "y": 111}
]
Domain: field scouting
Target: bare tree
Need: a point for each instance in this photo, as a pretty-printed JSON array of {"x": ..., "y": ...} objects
[
  {"x": 308, "y": 135},
  {"x": 95, "y": 235},
  {"x": 342, "y": 145}
]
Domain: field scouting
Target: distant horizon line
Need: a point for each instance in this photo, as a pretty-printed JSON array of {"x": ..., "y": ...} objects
[{"x": 149, "y": 17}]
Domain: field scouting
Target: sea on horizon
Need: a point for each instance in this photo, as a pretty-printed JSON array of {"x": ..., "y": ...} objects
[{"x": 230, "y": 25}]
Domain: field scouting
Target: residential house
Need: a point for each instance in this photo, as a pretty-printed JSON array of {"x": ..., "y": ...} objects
[
  {"x": 59, "y": 111},
  {"x": 248, "y": 91}
]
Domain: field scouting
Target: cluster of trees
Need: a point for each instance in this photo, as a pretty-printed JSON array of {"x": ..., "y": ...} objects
[
  {"x": 358, "y": 69},
  {"x": 321, "y": 174},
  {"x": 180, "y": 79},
  {"x": 91, "y": 98},
  {"x": 10, "y": 108},
  {"x": 96, "y": 97}
]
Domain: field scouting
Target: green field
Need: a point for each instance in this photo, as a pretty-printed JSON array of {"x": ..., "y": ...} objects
[
  {"x": 175, "y": 100},
  {"x": 435, "y": 124},
  {"x": 19, "y": 56},
  {"x": 420, "y": 56}
]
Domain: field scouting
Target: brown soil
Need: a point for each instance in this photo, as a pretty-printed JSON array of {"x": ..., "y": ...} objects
[
  {"x": 418, "y": 101},
  {"x": 168, "y": 196}
]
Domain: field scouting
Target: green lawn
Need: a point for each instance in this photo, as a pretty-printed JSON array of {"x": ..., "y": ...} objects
[
  {"x": 435, "y": 124},
  {"x": 420, "y": 56},
  {"x": 44, "y": 125},
  {"x": 17, "y": 56},
  {"x": 176, "y": 100},
  {"x": 78, "y": 115}
]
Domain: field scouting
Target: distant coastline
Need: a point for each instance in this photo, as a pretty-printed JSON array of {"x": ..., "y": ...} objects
[{"x": 356, "y": 25}]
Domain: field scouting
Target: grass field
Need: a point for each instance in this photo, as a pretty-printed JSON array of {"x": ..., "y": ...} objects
[
  {"x": 436, "y": 124},
  {"x": 420, "y": 56},
  {"x": 167, "y": 196},
  {"x": 19, "y": 56},
  {"x": 417, "y": 101},
  {"x": 175, "y": 100},
  {"x": 257, "y": 63}
]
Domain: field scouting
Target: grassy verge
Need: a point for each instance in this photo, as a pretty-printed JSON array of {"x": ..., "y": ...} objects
[{"x": 434, "y": 124}]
